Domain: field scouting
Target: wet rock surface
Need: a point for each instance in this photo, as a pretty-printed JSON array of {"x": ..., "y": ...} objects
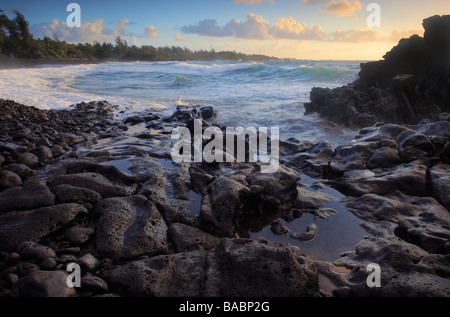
[{"x": 139, "y": 224}]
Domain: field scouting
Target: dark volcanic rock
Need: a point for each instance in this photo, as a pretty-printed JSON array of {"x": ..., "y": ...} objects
[
  {"x": 33, "y": 225},
  {"x": 47, "y": 284},
  {"x": 440, "y": 180},
  {"x": 411, "y": 83},
  {"x": 94, "y": 182},
  {"x": 223, "y": 202},
  {"x": 258, "y": 268},
  {"x": 33, "y": 194},
  {"x": 129, "y": 227}
]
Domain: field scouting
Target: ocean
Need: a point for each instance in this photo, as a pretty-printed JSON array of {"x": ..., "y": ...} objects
[{"x": 245, "y": 93}]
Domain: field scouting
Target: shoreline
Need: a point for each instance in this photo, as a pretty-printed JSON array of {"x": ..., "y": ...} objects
[{"x": 17, "y": 63}]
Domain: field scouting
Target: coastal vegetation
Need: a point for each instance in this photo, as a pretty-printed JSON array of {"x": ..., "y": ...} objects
[{"x": 16, "y": 40}]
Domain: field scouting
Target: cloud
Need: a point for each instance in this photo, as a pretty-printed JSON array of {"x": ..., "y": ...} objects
[
  {"x": 257, "y": 28},
  {"x": 252, "y": 1},
  {"x": 288, "y": 28},
  {"x": 89, "y": 31},
  {"x": 179, "y": 38},
  {"x": 121, "y": 26},
  {"x": 151, "y": 31},
  {"x": 342, "y": 7},
  {"x": 365, "y": 35},
  {"x": 311, "y": 2},
  {"x": 356, "y": 35}
]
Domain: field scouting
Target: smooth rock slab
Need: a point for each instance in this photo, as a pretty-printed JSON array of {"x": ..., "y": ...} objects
[
  {"x": 129, "y": 227},
  {"x": 33, "y": 225},
  {"x": 187, "y": 238},
  {"x": 351, "y": 157},
  {"x": 95, "y": 182},
  {"x": 67, "y": 193},
  {"x": 407, "y": 177}
]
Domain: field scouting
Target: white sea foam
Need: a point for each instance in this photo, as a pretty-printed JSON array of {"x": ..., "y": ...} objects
[
  {"x": 244, "y": 93},
  {"x": 50, "y": 87}
]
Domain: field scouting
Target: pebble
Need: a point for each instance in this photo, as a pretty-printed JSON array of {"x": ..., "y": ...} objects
[
  {"x": 35, "y": 251},
  {"x": 89, "y": 263},
  {"x": 13, "y": 258},
  {"x": 78, "y": 236}
]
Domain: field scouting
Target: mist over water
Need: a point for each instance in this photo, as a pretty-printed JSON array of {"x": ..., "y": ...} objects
[{"x": 258, "y": 94}]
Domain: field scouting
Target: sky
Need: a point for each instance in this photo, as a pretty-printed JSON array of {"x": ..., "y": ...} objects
[{"x": 301, "y": 29}]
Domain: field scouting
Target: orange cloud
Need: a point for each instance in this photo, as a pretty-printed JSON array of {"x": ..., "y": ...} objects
[{"x": 342, "y": 7}]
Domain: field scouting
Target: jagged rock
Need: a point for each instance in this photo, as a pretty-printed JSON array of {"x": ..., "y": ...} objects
[
  {"x": 315, "y": 160},
  {"x": 206, "y": 113},
  {"x": 430, "y": 236},
  {"x": 259, "y": 268},
  {"x": 413, "y": 145},
  {"x": 279, "y": 187},
  {"x": 278, "y": 228},
  {"x": 385, "y": 156},
  {"x": 223, "y": 202},
  {"x": 409, "y": 84},
  {"x": 199, "y": 178},
  {"x": 440, "y": 182}
]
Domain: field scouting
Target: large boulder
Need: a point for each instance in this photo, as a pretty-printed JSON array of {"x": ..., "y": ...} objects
[
  {"x": 33, "y": 194},
  {"x": 33, "y": 225},
  {"x": 129, "y": 227},
  {"x": 440, "y": 182},
  {"x": 173, "y": 275},
  {"x": 46, "y": 284},
  {"x": 223, "y": 202},
  {"x": 259, "y": 268},
  {"x": 411, "y": 178}
]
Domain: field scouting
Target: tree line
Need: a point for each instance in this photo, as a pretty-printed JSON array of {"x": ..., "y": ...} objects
[{"x": 17, "y": 41}]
